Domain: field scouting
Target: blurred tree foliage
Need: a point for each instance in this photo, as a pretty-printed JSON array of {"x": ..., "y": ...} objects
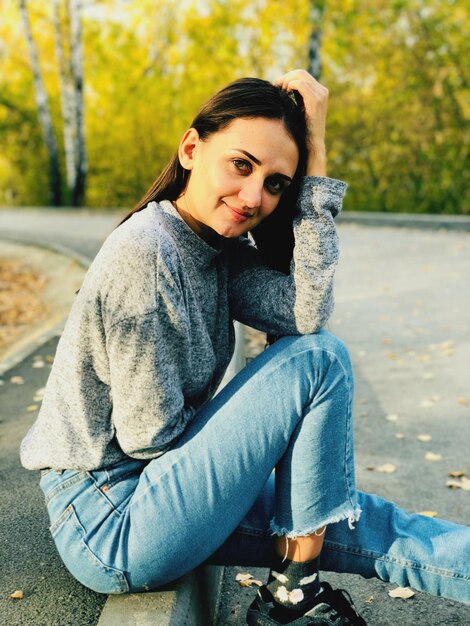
[{"x": 398, "y": 122}]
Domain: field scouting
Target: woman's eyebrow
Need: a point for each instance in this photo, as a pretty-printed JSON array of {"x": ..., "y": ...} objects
[
  {"x": 255, "y": 160},
  {"x": 250, "y": 156}
]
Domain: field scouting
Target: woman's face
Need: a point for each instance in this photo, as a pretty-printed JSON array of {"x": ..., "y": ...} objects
[{"x": 237, "y": 176}]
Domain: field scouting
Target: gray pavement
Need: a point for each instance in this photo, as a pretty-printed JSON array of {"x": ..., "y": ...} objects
[{"x": 402, "y": 308}]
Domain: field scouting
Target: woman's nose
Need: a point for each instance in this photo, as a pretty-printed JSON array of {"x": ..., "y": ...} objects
[{"x": 251, "y": 193}]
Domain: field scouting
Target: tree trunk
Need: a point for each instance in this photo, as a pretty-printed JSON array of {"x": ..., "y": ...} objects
[
  {"x": 66, "y": 100},
  {"x": 76, "y": 64},
  {"x": 317, "y": 8},
  {"x": 44, "y": 113}
]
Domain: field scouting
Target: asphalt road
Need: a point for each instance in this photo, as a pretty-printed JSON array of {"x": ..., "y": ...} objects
[{"x": 402, "y": 308}]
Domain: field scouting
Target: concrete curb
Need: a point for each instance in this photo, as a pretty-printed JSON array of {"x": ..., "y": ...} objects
[
  {"x": 191, "y": 601},
  {"x": 405, "y": 220}
]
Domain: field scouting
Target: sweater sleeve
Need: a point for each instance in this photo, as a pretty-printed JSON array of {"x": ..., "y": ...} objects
[
  {"x": 147, "y": 369},
  {"x": 301, "y": 302}
]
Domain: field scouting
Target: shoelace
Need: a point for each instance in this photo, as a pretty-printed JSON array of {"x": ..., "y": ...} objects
[{"x": 346, "y": 605}]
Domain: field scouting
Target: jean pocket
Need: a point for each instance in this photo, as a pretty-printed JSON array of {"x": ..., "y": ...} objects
[{"x": 84, "y": 565}]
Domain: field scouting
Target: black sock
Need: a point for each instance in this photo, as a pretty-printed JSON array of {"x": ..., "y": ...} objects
[{"x": 294, "y": 585}]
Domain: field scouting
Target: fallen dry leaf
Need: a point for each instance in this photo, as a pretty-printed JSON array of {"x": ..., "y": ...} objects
[
  {"x": 433, "y": 456},
  {"x": 401, "y": 592},
  {"x": 457, "y": 474},
  {"x": 32, "y": 407},
  {"x": 462, "y": 401},
  {"x": 428, "y": 513},
  {"x": 243, "y": 577},
  {"x": 400, "y": 435},
  {"x": 386, "y": 468},
  {"x": 391, "y": 418},
  {"x": 463, "y": 483},
  {"x": 17, "y": 595},
  {"x": 38, "y": 364},
  {"x": 370, "y": 599},
  {"x": 247, "y": 580},
  {"x": 17, "y": 380},
  {"x": 424, "y": 438}
]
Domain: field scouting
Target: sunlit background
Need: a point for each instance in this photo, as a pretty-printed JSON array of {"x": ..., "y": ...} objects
[{"x": 397, "y": 72}]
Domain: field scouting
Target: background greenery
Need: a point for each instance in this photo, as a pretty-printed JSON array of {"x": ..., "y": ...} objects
[{"x": 397, "y": 72}]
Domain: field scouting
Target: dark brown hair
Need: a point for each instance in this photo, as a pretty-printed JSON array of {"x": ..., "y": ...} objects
[{"x": 246, "y": 98}]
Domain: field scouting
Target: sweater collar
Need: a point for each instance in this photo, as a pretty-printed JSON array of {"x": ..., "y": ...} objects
[{"x": 195, "y": 245}]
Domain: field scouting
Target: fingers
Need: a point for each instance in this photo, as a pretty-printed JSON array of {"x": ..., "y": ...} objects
[
  {"x": 299, "y": 79},
  {"x": 309, "y": 88}
]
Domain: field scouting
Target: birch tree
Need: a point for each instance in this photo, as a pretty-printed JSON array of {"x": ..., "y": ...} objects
[
  {"x": 317, "y": 9},
  {"x": 68, "y": 47},
  {"x": 43, "y": 109}
]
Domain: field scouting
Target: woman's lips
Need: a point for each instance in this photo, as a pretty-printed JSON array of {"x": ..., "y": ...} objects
[{"x": 239, "y": 215}]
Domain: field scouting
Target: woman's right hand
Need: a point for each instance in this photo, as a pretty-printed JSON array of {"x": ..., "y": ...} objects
[{"x": 315, "y": 98}]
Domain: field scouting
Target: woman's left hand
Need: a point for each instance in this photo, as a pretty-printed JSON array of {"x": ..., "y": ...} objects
[{"x": 315, "y": 97}]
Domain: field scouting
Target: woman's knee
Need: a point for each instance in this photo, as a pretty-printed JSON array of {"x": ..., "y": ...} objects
[{"x": 323, "y": 343}]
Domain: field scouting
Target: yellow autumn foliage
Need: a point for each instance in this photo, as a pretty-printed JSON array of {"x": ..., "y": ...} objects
[{"x": 398, "y": 121}]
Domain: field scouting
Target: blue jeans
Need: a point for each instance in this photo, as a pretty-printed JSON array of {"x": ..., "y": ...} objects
[{"x": 214, "y": 496}]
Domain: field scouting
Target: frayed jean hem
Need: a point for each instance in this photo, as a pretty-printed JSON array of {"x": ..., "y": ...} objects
[{"x": 352, "y": 514}]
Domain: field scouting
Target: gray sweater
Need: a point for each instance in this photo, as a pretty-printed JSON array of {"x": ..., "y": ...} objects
[{"x": 150, "y": 333}]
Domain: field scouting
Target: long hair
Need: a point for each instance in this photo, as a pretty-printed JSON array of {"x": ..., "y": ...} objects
[{"x": 246, "y": 98}]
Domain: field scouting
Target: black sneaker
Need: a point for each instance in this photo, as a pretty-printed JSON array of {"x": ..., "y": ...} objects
[{"x": 334, "y": 608}]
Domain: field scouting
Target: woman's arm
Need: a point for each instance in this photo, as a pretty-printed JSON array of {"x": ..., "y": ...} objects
[{"x": 301, "y": 302}]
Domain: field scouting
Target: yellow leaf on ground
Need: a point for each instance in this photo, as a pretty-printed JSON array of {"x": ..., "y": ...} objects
[
  {"x": 386, "y": 468},
  {"x": 247, "y": 580},
  {"x": 17, "y": 595},
  {"x": 457, "y": 474},
  {"x": 433, "y": 456},
  {"x": 463, "y": 484},
  {"x": 17, "y": 380},
  {"x": 401, "y": 592},
  {"x": 32, "y": 407},
  {"x": 428, "y": 513},
  {"x": 463, "y": 401},
  {"x": 424, "y": 438}
]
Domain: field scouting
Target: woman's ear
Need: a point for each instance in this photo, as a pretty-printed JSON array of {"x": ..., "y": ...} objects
[{"x": 186, "y": 148}]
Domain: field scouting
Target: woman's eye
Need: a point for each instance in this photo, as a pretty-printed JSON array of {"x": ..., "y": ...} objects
[
  {"x": 241, "y": 165},
  {"x": 275, "y": 186}
]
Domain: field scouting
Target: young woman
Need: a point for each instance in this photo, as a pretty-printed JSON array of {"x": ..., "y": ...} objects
[{"x": 146, "y": 473}]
